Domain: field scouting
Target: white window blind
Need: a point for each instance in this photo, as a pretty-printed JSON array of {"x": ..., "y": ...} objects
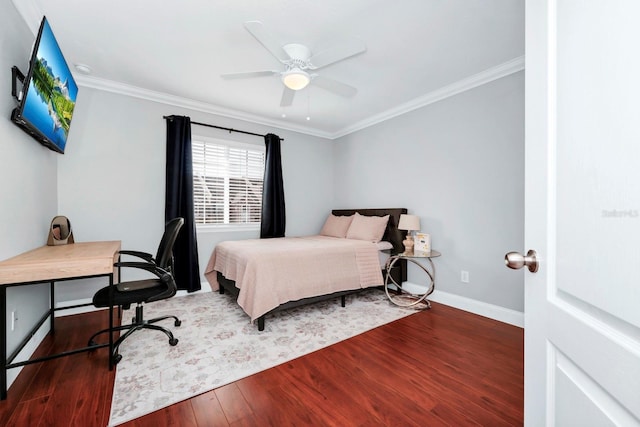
[{"x": 227, "y": 182}]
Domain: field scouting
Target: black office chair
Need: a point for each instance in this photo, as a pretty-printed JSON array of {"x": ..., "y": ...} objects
[{"x": 143, "y": 291}]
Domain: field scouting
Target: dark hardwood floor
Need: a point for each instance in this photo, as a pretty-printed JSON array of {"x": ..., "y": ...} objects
[{"x": 434, "y": 368}]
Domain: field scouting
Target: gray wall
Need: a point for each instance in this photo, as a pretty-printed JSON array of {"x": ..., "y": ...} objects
[
  {"x": 28, "y": 189},
  {"x": 459, "y": 165}
]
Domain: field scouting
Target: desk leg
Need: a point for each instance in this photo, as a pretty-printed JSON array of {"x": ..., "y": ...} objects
[
  {"x": 52, "y": 303},
  {"x": 3, "y": 342},
  {"x": 111, "y": 322}
]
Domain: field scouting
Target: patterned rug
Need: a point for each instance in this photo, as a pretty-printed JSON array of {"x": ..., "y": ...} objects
[{"x": 218, "y": 345}]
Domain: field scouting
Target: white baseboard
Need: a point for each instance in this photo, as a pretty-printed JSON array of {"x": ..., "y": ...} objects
[
  {"x": 203, "y": 284},
  {"x": 42, "y": 332},
  {"x": 28, "y": 350},
  {"x": 77, "y": 310},
  {"x": 88, "y": 308},
  {"x": 495, "y": 312},
  {"x": 491, "y": 311}
]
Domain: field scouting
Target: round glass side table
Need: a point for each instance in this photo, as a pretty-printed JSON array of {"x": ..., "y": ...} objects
[{"x": 402, "y": 297}]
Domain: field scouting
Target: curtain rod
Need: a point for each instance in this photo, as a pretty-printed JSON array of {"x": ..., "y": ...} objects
[{"x": 223, "y": 128}]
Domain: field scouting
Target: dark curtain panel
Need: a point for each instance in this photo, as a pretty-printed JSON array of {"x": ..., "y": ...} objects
[
  {"x": 179, "y": 202},
  {"x": 273, "y": 212}
]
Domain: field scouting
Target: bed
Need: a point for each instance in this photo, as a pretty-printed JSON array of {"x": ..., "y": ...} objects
[{"x": 267, "y": 275}]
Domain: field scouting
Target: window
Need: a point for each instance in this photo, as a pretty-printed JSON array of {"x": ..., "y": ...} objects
[{"x": 227, "y": 182}]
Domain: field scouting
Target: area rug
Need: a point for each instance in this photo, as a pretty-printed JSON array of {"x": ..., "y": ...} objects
[{"x": 218, "y": 345}]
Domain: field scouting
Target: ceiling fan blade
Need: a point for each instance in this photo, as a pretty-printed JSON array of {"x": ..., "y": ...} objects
[
  {"x": 287, "y": 97},
  {"x": 267, "y": 40},
  {"x": 231, "y": 76},
  {"x": 346, "y": 50},
  {"x": 335, "y": 86}
]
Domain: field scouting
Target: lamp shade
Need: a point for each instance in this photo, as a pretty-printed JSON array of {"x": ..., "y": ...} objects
[{"x": 409, "y": 222}]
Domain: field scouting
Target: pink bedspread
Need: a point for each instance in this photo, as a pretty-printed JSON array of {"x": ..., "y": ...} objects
[{"x": 270, "y": 272}]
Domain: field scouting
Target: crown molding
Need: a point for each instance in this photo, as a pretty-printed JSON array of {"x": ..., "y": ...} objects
[
  {"x": 178, "y": 101},
  {"x": 484, "y": 77},
  {"x": 487, "y": 76}
]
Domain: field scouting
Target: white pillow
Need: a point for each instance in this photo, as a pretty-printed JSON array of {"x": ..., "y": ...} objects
[
  {"x": 369, "y": 228},
  {"x": 384, "y": 246},
  {"x": 336, "y": 226}
]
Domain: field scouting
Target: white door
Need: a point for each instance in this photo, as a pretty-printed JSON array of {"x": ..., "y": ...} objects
[{"x": 582, "y": 213}]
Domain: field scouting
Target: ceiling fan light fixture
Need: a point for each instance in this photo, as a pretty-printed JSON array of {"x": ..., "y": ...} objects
[{"x": 296, "y": 79}]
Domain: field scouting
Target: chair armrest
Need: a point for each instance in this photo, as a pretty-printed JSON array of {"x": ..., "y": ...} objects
[
  {"x": 145, "y": 256},
  {"x": 148, "y": 266}
]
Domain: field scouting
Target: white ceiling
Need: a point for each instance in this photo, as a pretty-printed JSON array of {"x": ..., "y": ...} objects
[{"x": 417, "y": 51}]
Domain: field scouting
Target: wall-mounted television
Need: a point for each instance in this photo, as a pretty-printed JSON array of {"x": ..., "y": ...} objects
[{"x": 48, "y": 94}]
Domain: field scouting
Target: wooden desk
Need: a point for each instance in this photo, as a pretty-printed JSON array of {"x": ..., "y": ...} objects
[{"x": 50, "y": 264}]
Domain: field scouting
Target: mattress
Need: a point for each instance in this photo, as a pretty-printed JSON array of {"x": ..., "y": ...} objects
[{"x": 271, "y": 272}]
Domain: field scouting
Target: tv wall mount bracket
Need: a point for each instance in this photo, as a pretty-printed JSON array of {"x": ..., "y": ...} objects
[{"x": 16, "y": 75}]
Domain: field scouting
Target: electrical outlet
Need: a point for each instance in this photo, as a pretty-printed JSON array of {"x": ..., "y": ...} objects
[{"x": 464, "y": 276}]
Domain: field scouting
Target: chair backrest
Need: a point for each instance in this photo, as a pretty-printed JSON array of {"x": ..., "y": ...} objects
[{"x": 164, "y": 256}]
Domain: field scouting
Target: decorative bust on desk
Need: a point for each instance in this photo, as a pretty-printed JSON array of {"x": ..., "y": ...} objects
[{"x": 60, "y": 231}]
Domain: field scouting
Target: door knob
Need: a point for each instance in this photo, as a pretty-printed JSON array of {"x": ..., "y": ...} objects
[{"x": 516, "y": 260}]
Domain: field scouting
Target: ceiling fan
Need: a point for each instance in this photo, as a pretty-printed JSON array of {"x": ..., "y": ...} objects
[{"x": 299, "y": 61}]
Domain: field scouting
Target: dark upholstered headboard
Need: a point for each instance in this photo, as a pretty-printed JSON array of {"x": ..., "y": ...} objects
[{"x": 391, "y": 234}]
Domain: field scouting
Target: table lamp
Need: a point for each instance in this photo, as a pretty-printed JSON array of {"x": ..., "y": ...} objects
[{"x": 410, "y": 223}]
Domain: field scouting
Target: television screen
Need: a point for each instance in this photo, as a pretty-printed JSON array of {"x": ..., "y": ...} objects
[{"x": 48, "y": 94}]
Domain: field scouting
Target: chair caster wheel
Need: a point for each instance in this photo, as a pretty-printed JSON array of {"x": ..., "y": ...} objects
[
  {"x": 173, "y": 341},
  {"x": 177, "y": 323},
  {"x": 117, "y": 358}
]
